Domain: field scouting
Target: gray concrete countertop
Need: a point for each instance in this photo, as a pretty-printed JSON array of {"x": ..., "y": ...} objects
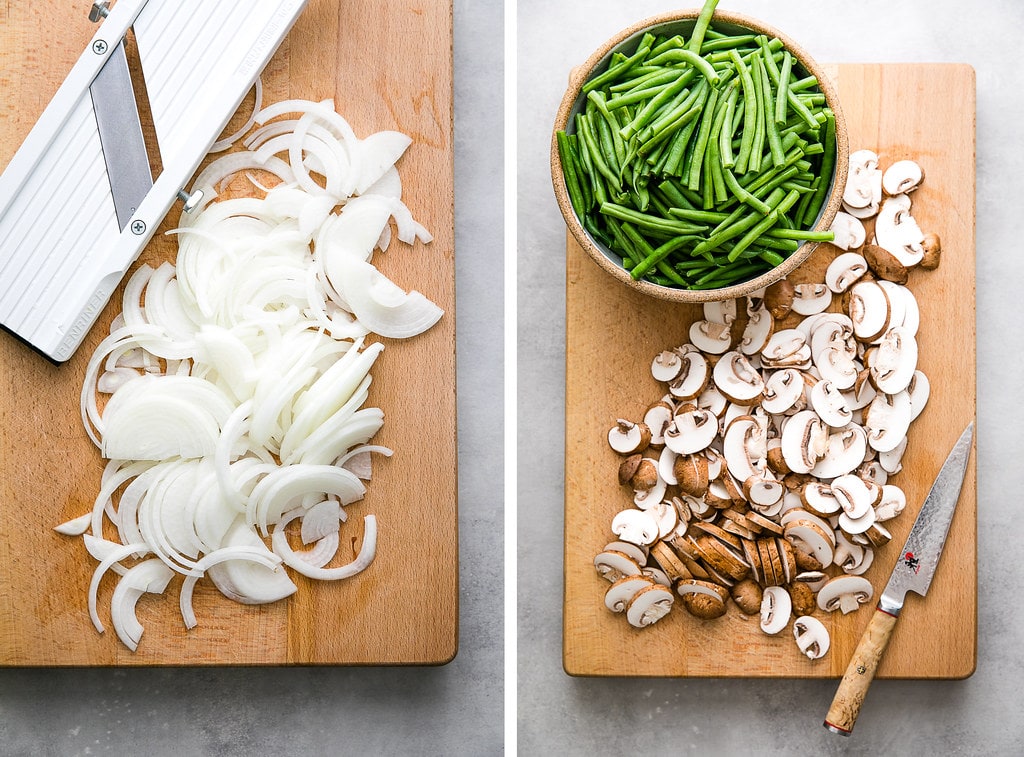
[
  {"x": 976, "y": 716},
  {"x": 455, "y": 709}
]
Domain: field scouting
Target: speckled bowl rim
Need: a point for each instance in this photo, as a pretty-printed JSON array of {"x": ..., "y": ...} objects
[{"x": 597, "y": 253}]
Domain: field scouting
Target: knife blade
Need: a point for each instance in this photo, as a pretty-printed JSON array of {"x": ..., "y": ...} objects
[{"x": 913, "y": 572}]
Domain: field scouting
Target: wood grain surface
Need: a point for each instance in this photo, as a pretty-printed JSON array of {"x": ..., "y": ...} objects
[
  {"x": 925, "y": 112},
  {"x": 388, "y": 65}
]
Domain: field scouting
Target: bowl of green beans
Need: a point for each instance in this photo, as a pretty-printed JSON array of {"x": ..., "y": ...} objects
[{"x": 699, "y": 155}]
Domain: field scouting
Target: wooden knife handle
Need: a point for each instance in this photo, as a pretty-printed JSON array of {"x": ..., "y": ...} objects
[{"x": 859, "y": 673}]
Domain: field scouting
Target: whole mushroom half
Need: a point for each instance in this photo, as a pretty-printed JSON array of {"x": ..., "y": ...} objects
[
  {"x": 844, "y": 593},
  {"x": 811, "y": 636}
]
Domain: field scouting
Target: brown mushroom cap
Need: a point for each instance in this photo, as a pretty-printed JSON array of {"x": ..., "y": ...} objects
[{"x": 747, "y": 596}]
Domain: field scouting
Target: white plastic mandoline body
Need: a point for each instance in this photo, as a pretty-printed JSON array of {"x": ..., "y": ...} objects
[{"x": 62, "y": 252}]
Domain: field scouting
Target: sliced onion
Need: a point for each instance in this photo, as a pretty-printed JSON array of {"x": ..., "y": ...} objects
[
  {"x": 362, "y": 561},
  {"x": 148, "y": 576}
]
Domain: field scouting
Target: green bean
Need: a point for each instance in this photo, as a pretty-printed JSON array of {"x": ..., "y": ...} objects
[
  {"x": 771, "y": 130},
  {"x": 782, "y": 95},
  {"x": 703, "y": 133},
  {"x": 828, "y": 159},
  {"x": 687, "y": 56},
  {"x": 647, "y": 221},
  {"x": 618, "y": 68},
  {"x": 701, "y": 26},
  {"x": 571, "y": 177}
]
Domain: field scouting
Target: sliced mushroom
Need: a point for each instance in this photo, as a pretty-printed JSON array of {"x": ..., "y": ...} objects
[
  {"x": 891, "y": 461},
  {"x": 627, "y": 437},
  {"x": 638, "y": 554},
  {"x": 892, "y": 503},
  {"x": 804, "y": 441},
  {"x": 898, "y": 232},
  {"x": 830, "y": 404},
  {"x": 628, "y": 468},
  {"x": 757, "y": 332},
  {"x": 855, "y": 526},
  {"x": 784, "y": 392},
  {"x": 666, "y": 365},
  {"x": 844, "y": 271},
  {"x": 886, "y": 421},
  {"x": 645, "y": 499},
  {"x": 737, "y": 379},
  {"x": 649, "y": 605},
  {"x": 622, "y": 591},
  {"x": 844, "y": 593},
  {"x": 710, "y": 337},
  {"x": 819, "y": 499},
  {"x": 657, "y": 419},
  {"x": 693, "y": 376},
  {"x": 844, "y": 451},
  {"x": 645, "y": 477},
  {"x": 869, "y": 310},
  {"x": 894, "y": 363},
  {"x": 764, "y": 493},
  {"x": 901, "y": 177},
  {"x": 811, "y": 636},
  {"x": 703, "y": 599},
  {"x": 804, "y": 601},
  {"x": 776, "y": 608},
  {"x": 667, "y": 518},
  {"x": 786, "y": 348},
  {"x": 864, "y": 180},
  {"x": 810, "y": 298},
  {"x": 919, "y": 390},
  {"x": 932, "y": 252},
  {"x": 778, "y": 298},
  {"x": 747, "y": 595},
  {"x": 721, "y": 311},
  {"x": 745, "y": 448},
  {"x": 613, "y": 565},
  {"x": 807, "y": 537},
  {"x": 691, "y": 432},
  {"x": 884, "y": 264},
  {"x": 691, "y": 474},
  {"x": 635, "y": 526},
  {"x": 849, "y": 231}
]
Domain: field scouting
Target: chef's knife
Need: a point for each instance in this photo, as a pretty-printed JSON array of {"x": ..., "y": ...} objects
[{"x": 913, "y": 572}]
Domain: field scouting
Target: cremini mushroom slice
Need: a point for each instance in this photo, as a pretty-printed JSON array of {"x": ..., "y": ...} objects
[
  {"x": 776, "y": 608},
  {"x": 808, "y": 537},
  {"x": 627, "y": 437},
  {"x": 893, "y": 502},
  {"x": 854, "y": 526},
  {"x": 902, "y": 177},
  {"x": 669, "y": 561},
  {"x": 764, "y": 493},
  {"x": 737, "y": 379},
  {"x": 693, "y": 376},
  {"x": 712, "y": 400},
  {"x": 666, "y": 465},
  {"x": 886, "y": 421},
  {"x": 657, "y": 575},
  {"x": 849, "y": 231},
  {"x": 893, "y": 364},
  {"x": 721, "y": 311},
  {"x": 622, "y": 591},
  {"x": 804, "y": 441},
  {"x": 649, "y": 605},
  {"x": 863, "y": 181},
  {"x": 710, "y": 337},
  {"x": 667, "y": 518},
  {"x": 778, "y": 298},
  {"x": 844, "y": 451},
  {"x": 844, "y": 271},
  {"x": 884, "y": 264},
  {"x": 819, "y": 499},
  {"x": 830, "y": 404},
  {"x": 612, "y": 565},
  {"x": 811, "y": 298},
  {"x": 635, "y": 526},
  {"x": 638, "y": 554},
  {"x": 691, "y": 431},
  {"x": 786, "y": 348},
  {"x": 747, "y": 595},
  {"x": 904, "y": 306},
  {"x": 657, "y": 419},
  {"x": 666, "y": 365},
  {"x": 691, "y": 474},
  {"x": 758, "y": 330},
  {"x": 628, "y": 467},
  {"x": 703, "y": 599},
  {"x": 645, "y": 477},
  {"x": 869, "y": 310},
  {"x": 932, "y": 252},
  {"x": 891, "y": 461},
  {"x": 784, "y": 392},
  {"x": 898, "y": 232},
  {"x": 745, "y": 448},
  {"x": 811, "y": 636},
  {"x": 844, "y": 593},
  {"x": 855, "y": 495},
  {"x": 645, "y": 499},
  {"x": 919, "y": 390},
  {"x": 804, "y": 601}
]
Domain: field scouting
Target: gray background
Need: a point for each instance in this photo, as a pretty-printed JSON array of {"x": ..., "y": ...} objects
[
  {"x": 455, "y": 709},
  {"x": 979, "y": 715}
]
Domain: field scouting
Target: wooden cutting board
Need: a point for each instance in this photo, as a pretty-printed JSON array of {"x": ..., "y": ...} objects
[
  {"x": 388, "y": 65},
  {"x": 925, "y": 112}
]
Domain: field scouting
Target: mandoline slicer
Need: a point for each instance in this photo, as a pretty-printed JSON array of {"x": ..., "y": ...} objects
[{"x": 78, "y": 202}]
